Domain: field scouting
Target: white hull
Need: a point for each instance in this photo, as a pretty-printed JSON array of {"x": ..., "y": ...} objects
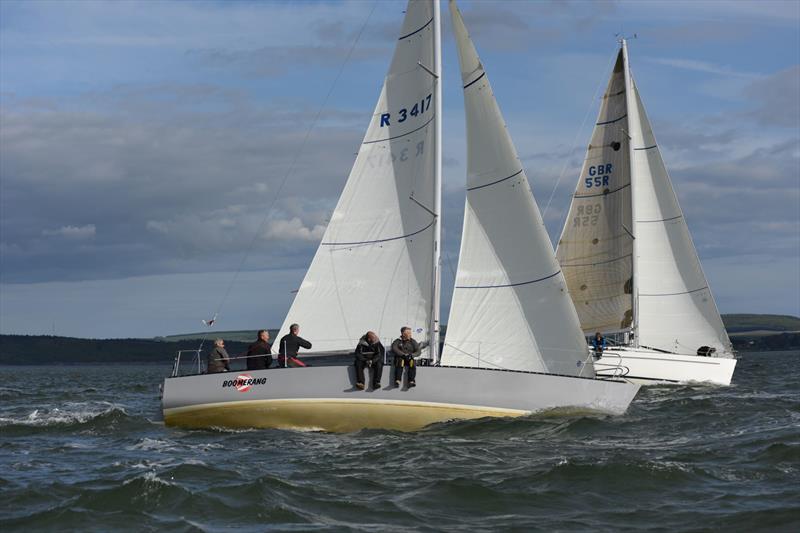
[
  {"x": 325, "y": 398},
  {"x": 648, "y": 367}
]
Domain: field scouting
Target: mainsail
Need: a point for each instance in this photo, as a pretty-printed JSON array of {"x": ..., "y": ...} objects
[
  {"x": 596, "y": 246},
  {"x": 676, "y": 311},
  {"x": 652, "y": 285},
  {"x": 510, "y": 306},
  {"x": 374, "y": 269}
]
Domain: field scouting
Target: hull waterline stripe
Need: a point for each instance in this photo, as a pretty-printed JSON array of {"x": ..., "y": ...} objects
[
  {"x": 662, "y": 220},
  {"x": 676, "y": 293},
  {"x": 401, "y": 135},
  {"x": 508, "y": 285},
  {"x": 599, "y": 262},
  {"x": 378, "y": 240},
  {"x": 611, "y": 121},
  {"x": 647, "y": 147},
  {"x": 495, "y": 182},
  {"x": 475, "y": 80},
  {"x": 416, "y": 31},
  {"x": 602, "y": 193}
]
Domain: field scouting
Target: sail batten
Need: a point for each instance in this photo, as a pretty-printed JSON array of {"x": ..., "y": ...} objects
[{"x": 510, "y": 308}]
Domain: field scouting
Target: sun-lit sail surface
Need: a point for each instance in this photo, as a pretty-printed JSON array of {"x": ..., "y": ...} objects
[
  {"x": 676, "y": 311},
  {"x": 510, "y": 306},
  {"x": 373, "y": 268}
]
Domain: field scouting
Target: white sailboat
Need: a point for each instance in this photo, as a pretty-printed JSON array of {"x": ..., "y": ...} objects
[
  {"x": 377, "y": 268},
  {"x": 630, "y": 264}
]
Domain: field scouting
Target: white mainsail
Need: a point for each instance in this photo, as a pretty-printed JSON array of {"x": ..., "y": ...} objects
[
  {"x": 374, "y": 267},
  {"x": 596, "y": 245},
  {"x": 676, "y": 311},
  {"x": 510, "y": 306},
  {"x": 652, "y": 285}
]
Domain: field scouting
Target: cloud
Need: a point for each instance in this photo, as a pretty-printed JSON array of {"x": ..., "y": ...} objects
[
  {"x": 777, "y": 98},
  {"x": 72, "y": 232},
  {"x": 294, "y": 229},
  {"x": 702, "y": 66}
]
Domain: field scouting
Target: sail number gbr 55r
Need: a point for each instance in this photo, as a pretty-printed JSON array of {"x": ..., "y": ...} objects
[
  {"x": 418, "y": 109},
  {"x": 598, "y": 175}
]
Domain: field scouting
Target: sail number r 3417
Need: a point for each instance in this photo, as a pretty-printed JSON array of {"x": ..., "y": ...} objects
[{"x": 418, "y": 109}]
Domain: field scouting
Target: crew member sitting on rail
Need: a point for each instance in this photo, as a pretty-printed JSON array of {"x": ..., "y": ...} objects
[
  {"x": 218, "y": 360},
  {"x": 599, "y": 345},
  {"x": 289, "y": 346},
  {"x": 369, "y": 354},
  {"x": 405, "y": 349},
  {"x": 259, "y": 354}
]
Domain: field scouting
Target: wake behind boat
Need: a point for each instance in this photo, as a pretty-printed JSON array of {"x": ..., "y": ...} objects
[
  {"x": 514, "y": 344},
  {"x": 632, "y": 269}
]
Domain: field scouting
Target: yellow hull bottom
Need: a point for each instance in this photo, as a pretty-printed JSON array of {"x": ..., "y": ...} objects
[{"x": 334, "y": 415}]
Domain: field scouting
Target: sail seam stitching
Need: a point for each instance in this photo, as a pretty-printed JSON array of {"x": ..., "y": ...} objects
[
  {"x": 602, "y": 193},
  {"x": 495, "y": 182},
  {"x": 508, "y": 285},
  {"x": 676, "y": 293},
  {"x": 647, "y": 147},
  {"x": 416, "y": 31},
  {"x": 403, "y": 135},
  {"x": 476, "y": 80},
  {"x": 611, "y": 121},
  {"x": 376, "y": 241},
  {"x": 662, "y": 220}
]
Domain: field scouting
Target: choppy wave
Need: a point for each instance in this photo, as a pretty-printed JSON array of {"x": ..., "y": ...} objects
[{"x": 87, "y": 451}]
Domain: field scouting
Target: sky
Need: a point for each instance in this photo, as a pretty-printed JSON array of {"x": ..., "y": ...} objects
[{"x": 143, "y": 144}]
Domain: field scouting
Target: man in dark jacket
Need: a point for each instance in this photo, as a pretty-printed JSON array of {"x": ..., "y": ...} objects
[
  {"x": 369, "y": 354},
  {"x": 599, "y": 345},
  {"x": 289, "y": 346},
  {"x": 405, "y": 349},
  {"x": 259, "y": 353},
  {"x": 218, "y": 360}
]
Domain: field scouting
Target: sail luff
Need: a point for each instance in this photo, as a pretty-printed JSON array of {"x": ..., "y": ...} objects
[
  {"x": 632, "y": 113},
  {"x": 437, "y": 186}
]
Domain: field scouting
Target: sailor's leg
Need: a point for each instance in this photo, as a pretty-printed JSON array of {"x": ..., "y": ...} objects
[
  {"x": 377, "y": 372},
  {"x": 412, "y": 371},
  {"x": 398, "y": 370},
  {"x": 359, "y": 371}
]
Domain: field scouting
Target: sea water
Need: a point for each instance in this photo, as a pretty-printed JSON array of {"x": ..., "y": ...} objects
[{"x": 84, "y": 448}]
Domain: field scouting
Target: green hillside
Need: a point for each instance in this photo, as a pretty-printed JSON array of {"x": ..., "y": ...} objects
[{"x": 739, "y": 323}]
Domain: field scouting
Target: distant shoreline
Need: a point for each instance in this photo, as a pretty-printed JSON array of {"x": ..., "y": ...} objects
[{"x": 748, "y": 332}]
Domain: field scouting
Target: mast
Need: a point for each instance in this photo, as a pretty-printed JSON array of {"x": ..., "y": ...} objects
[
  {"x": 437, "y": 186},
  {"x": 631, "y": 153}
]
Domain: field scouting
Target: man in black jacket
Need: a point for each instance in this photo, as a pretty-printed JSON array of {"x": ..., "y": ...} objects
[
  {"x": 405, "y": 349},
  {"x": 259, "y": 353},
  {"x": 289, "y": 346},
  {"x": 369, "y": 354}
]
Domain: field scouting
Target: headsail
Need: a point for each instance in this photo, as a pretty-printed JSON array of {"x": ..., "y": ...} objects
[
  {"x": 596, "y": 245},
  {"x": 510, "y": 306},
  {"x": 676, "y": 311},
  {"x": 373, "y": 269}
]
